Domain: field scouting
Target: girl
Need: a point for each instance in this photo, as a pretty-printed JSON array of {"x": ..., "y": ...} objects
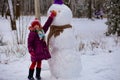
[{"x": 37, "y": 45}]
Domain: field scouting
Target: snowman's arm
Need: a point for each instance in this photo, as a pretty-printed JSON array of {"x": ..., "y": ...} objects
[{"x": 47, "y": 24}]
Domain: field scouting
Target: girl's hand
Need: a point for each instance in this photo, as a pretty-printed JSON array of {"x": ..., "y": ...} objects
[{"x": 53, "y": 13}]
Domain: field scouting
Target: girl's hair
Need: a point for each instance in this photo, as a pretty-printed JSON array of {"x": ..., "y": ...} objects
[{"x": 33, "y": 23}]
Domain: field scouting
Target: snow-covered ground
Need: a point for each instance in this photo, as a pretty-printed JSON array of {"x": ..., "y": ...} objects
[{"x": 99, "y": 54}]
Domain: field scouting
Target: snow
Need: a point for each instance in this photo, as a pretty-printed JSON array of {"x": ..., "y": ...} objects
[
  {"x": 99, "y": 54},
  {"x": 68, "y": 36},
  {"x": 64, "y": 14},
  {"x": 63, "y": 47}
]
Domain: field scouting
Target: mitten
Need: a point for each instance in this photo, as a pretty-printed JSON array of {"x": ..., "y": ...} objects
[{"x": 53, "y": 13}]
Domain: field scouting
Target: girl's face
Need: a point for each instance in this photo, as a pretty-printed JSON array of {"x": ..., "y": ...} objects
[{"x": 37, "y": 27}]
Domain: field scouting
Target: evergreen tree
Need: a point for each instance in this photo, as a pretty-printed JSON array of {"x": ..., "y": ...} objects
[{"x": 113, "y": 17}]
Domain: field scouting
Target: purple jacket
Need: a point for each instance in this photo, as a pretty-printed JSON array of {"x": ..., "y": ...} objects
[{"x": 38, "y": 46}]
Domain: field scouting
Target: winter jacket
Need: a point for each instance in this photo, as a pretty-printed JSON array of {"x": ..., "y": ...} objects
[{"x": 37, "y": 45}]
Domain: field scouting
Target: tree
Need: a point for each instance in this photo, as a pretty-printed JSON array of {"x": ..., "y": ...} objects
[
  {"x": 3, "y": 8},
  {"x": 90, "y": 9},
  {"x": 74, "y": 6},
  {"x": 44, "y": 5},
  {"x": 12, "y": 16},
  {"x": 37, "y": 9},
  {"x": 113, "y": 17},
  {"x": 17, "y": 9}
]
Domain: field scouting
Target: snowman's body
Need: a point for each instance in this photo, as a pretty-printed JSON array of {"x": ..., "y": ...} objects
[{"x": 65, "y": 61}]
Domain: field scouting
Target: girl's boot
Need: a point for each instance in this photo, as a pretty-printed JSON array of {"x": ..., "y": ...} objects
[
  {"x": 30, "y": 76},
  {"x": 38, "y": 71}
]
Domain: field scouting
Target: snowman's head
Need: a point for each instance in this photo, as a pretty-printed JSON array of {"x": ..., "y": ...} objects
[{"x": 64, "y": 14}]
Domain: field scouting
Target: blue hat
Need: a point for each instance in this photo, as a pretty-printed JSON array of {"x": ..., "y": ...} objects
[{"x": 58, "y": 1}]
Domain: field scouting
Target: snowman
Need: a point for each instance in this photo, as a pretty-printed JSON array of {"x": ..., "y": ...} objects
[{"x": 65, "y": 61}]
